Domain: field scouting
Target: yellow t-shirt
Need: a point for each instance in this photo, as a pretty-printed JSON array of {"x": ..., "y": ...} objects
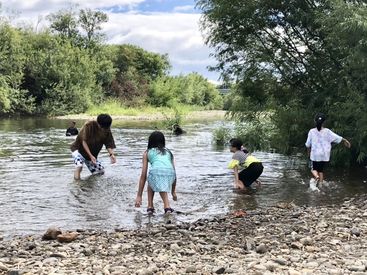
[{"x": 241, "y": 160}]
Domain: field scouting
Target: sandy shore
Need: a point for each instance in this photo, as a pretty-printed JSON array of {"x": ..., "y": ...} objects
[
  {"x": 196, "y": 115},
  {"x": 284, "y": 239}
]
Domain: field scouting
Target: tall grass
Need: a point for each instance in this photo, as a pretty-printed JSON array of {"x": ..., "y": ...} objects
[{"x": 114, "y": 107}]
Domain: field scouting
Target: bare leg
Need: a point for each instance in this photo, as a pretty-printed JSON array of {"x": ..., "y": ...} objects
[
  {"x": 321, "y": 177},
  {"x": 165, "y": 200},
  {"x": 315, "y": 174},
  {"x": 174, "y": 196},
  {"x": 150, "y": 197},
  {"x": 258, "y": 183},
  {"x": 77, "y": 172}
]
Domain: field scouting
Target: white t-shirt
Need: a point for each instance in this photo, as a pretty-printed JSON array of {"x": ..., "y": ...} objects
[{"x": 320, "y": 143}]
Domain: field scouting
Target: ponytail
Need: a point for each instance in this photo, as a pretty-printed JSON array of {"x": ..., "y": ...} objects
[{"x": 319, "y": 119}]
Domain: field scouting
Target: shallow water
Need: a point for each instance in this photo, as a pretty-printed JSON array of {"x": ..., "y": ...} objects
[{"x": 37, "y": 189}]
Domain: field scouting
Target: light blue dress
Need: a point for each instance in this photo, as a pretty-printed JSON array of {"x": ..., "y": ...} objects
[{"x": 161, "y": 172}]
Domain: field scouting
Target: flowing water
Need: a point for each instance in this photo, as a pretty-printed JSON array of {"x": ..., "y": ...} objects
[{"x": 37, "y": 189}]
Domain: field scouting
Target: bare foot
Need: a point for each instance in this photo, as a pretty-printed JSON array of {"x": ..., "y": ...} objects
[
  {"x": 258, "y": 183},
  {"x": 174, "y": 196}
]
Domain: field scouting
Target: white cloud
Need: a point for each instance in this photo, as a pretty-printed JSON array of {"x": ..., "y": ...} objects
[
  {"x": 52, "y": 5},
  {"x": 176, "y": 34},
  {"x": 184, "y": 8}
]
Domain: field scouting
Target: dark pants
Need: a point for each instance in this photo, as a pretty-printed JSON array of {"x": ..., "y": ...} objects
[{"x": 251, "y": 173}]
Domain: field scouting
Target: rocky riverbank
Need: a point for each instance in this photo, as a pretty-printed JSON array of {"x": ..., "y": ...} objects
[{"x": 284, "y": 239}]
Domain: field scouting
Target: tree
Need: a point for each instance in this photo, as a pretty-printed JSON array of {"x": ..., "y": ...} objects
[
  {"x": 91, "y": 21},
  {"x": 292, "y": 59},
  {"x": 65, "y": 24}
]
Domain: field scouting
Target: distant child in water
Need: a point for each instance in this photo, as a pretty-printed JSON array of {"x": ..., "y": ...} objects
[
  {"x": 162, "y": 174},
  {"x": 318, "y": 145},
  {"x": 247, "y": 169}
]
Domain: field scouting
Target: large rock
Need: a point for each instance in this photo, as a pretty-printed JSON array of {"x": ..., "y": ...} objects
[{"x": 51, "y": 233}]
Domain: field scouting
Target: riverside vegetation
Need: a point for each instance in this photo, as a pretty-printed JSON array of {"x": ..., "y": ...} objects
[
  {"x": 67, "y": 68},
  {"x": 287, "y": 61}
]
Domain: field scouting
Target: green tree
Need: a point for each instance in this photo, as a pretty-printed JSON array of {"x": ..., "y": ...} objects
[
  {"x": 293, "y": 59},
  {"x": 90, "y": 21}
]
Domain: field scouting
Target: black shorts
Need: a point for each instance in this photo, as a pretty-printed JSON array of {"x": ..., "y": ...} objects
[
  {"x": 251, "y": 173},
  {"x": 319, "y": 166}
]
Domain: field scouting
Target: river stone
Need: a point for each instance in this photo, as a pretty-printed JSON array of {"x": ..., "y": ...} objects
[
  {"x": 280, "y": 261},
  {"x": 14, "y": 272},
  {"x": 355, "y": 231},
  {"x": 191, "y": 269},
  {"x": 67, "y": 237},
  {"x": 3, "y": 267},
  {"x": 357, "y": 268},
  {"x": 261, "y": 249},
  {"x": 250, "y": 244},
  {"x": 306, "y": 241},
  {"x": 220, "y": 270},
  {"x": 51, "y": 233}
]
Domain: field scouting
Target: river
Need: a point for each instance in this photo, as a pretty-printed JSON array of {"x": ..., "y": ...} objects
[{"x": 37, "y": 189}]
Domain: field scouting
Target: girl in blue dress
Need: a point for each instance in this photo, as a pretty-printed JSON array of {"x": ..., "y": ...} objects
[{"x": 161, "y": 176}]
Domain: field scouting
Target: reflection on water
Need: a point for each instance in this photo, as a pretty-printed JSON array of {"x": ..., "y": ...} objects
[{"x": 37, "y": 189}]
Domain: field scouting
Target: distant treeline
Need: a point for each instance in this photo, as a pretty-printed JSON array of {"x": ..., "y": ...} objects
[{"x": 67, "y": 68}]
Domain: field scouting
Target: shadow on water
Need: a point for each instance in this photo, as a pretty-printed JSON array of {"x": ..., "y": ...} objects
[{"x": 37, "y": 189}]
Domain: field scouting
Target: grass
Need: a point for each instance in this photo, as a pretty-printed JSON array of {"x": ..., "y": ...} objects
[{"x": 114, "y": 107}]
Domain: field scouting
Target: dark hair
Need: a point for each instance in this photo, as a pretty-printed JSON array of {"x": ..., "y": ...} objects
[
  {"x": 157, "y": 140},
  {"x": 319, "y": 120},
  {"x": 104, "y": 120},
  {"x": 235, "y": 142}
]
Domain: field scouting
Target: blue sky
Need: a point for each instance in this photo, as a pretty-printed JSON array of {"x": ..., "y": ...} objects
[
  {"x": 187, "y": 6},
  {"x": 162, "y": 26}
]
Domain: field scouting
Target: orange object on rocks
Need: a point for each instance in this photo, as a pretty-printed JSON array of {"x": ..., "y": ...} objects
[
  {"x": 67, "y": 237},
  {"x": 239, "y": 214}
]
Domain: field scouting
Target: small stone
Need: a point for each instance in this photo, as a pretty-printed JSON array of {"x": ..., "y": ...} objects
[
  {"x": 14, "y": 272},
  {"x": 191, "y": 269},
  {"x": 3, "y": 267},
  {"x": 261, "y": 249},
  {"x": 220, "y": 270},
  {"x": 280, "y": 261},
  {"x": 306, "y": 241},
  {"x": 67, "y": 237},
  {"x": 357, "y": 268},
  {"x": 296, "y": 245},
  {"x": 58, "y": 255},
  {"x": 250, "y": 244},
  {"x": 355, "y": 232},
  {"x": 293, "y": 272},
  {"x": 175, "y": 247},
  {"x": 51, "y": 233}
]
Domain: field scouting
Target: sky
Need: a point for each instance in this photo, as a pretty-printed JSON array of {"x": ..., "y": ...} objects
[{"x": 161, "y": 26}]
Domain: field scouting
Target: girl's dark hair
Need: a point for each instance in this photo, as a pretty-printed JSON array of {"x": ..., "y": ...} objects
[
  {"x": 157, "y": 140},
  {"x": 235, "y": 142},
  {"x": 319, "y": 120}
]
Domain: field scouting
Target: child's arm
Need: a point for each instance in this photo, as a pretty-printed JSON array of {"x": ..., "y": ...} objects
[
  {"x": 236, "y": 178},
  {"x": 86, "y": 148},
  {"x": 143, "y": 178},
  {"x": 174, "y": 196}
]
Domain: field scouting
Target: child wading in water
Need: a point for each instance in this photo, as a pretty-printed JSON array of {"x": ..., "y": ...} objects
[
  {"x": 318, "y": 145},
  {"x": 247, "y": 169},
  {"x": 162, "y": 175}
]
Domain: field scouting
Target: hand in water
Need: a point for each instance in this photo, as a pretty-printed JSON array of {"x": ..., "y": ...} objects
[
  {"x": 138, "y": 201},
  {"x": 174, "y": 196}
]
